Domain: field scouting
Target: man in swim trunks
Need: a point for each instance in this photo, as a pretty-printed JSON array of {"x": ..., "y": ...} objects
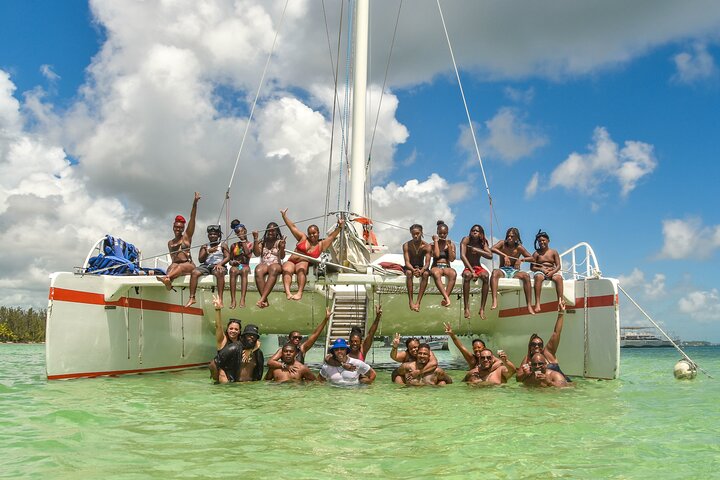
[
  {"x": 294, "y": 338},
  {"x": 472, "y": 248},
  {"x": 511, "y": 253},
  {"x": 484, "y": 374},
  {"x": 435, "y": 377},
  {"x": 213, "y": 257},
  {"x": 546, "y": 266},
  {"x": 292, "y": 370},
  {"x": 417, "y": 264},
  {"x": 240, "y": 253},
  {"x": 179, "y": 247},
  {"x": 541, "y": 376}
]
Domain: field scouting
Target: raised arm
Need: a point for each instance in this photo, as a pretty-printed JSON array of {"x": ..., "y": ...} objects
[
  {"x": 554, "y": 342},
  {"x": 190, "y": 230},
  {"x": 220, "y": 339},
  {"x": 367, "y": 343},
  {"x": 307, "y": 345},
  {"x": 326, "y": 242},
  {"x": 469, "y": 357},
  {"x": 293, "y": 229},
  {"x": 398, "y": 357}
]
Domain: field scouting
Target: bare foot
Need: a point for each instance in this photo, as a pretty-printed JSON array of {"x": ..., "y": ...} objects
[
  {"x": 289, "y": 295},
  {"x": 259, "y": 304},
  {"x": 165, "y": 281},
  {"x": 412, "y": 306},
  {"x": 219, "y": 303},
  {"x": 265, "y": 303},
  {"x": 537, "y": 308},
  {"x": 531, "y": 310},
  {"x": 482, "y": 314},
  {"x": 467, "y": 313},
  {"x": 445, "y": 302},
  {"x": 561, "y": 303},
  {"x": 494, "y": 304},
  {"x": 417, "y": 307},
  {"x": 297, "y": 296},
  {"x": 232, "y": 305},
  {"x": 191, "y": 301},
  {"x": 242, "y": 303}
]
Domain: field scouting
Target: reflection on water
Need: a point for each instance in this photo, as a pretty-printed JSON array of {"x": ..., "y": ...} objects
[{"x": 179, "y": 425}]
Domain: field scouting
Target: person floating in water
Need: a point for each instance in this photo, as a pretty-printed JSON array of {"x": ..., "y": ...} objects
[
  {"x": 309, "y": 245},
  {"x": 434, "y": 377},
  {"x": 179, "y": 247},
  {"x": 344, "y": 370},
  {"x": 549, "y": 351},
  {"x": 271, "y": 250},
  {"x": 240, "y": 253},
  {"x": 472, "y": 248},
  {"x": 540, "y": 375},
  {"x": 300, "y": 349},
  {"x": 511, "y": 253},
  {"x": 213, "y": 257},
  {"x": 293, "y": 370},
  {"x": 546, "y": 266},
  {"x": 443, "y": 254},
  {"x": 417, "y": 264}
]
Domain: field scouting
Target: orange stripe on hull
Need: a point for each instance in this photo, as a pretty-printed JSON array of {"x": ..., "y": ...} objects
[
  {"x": 77, "y": 296},
  {"x": 593, "y": 302},
  {"x": 122, "y": 372}
]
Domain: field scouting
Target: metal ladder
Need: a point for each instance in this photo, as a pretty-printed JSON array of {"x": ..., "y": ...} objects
[{"x": 349, "y": 310}]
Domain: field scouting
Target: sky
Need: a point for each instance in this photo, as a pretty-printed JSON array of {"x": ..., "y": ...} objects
[{"x": 596, "y": 121}]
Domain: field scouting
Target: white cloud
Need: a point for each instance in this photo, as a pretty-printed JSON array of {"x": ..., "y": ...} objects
[
  {"x": 47, "y": 72},
  {"x": 509, "y": 137},
  {"x": 703, "y": 306},
  {"x": 414, "y": 202},
  {"x": 653, "y": 289},
  {"x": 586, "y": 173},
  {"x": 532, "y": 186},
  {"x": 693, "y": 66},
  {"x": 689, "y": 238},
  {"x": 520, "y": 96}
]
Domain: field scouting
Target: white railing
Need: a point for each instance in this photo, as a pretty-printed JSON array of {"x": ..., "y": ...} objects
[{"x": 588, "y": 267}]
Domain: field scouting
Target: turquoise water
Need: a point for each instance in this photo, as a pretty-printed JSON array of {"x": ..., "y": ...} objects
[{"x": 179, "y": 425}]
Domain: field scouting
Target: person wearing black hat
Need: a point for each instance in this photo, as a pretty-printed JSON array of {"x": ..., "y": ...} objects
[
  {"x": 344, "y": 370},
  {"x": 252, "y": 359},
  {"x": 213, "y": 257}
]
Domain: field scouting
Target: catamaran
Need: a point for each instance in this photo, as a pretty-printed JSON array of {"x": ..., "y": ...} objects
[{"x": 120, "y": 324}]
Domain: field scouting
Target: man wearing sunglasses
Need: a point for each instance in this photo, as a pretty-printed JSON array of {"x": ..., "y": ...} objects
[
  {"x": 213, "y": 256},
  {"x": 541, "y": 376},
  {"x": 277, "y": 361},
  {"x": 484, "y": 373},
  {"x": 549, "y": 350}
]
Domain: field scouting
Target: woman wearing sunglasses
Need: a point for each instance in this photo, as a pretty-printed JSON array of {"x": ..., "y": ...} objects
[{"x": 548, "y": 351}]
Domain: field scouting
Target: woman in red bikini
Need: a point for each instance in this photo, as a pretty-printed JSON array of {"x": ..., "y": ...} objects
[
  {"x": 179, "y": 247},
  {"x": 309, "y": 245}
]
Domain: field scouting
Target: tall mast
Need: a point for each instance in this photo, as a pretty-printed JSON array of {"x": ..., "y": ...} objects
[{"x": 357, "y": 152}]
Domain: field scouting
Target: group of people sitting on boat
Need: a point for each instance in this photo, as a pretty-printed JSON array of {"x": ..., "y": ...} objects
[
  {"x": 422, "y": 259},
  {"x": 240, "y": 359},
  {"x": 218, "y": 259}
]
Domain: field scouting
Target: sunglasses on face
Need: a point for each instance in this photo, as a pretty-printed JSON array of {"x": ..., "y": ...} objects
[
  {"x": 536, "y": 344},
  {"x": 537, "y": 365},
  {"x": 296, "y": 337}
]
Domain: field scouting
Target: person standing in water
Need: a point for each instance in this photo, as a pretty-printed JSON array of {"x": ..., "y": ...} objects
[
  {"x": 222, "y": 368},
  {"x": 443, "y": 254},
  {"x": 294, "y": 371},
  {"x": 549, "y": 351},
  {"x": 417, "y": 265},
  {"x": 546, "y": 266},
  {"x": 472, "y": 248},
  {"x": 343, "y": 370},
  {"x": 179, "y": 247},
  {"x": 436, "y": 376}
]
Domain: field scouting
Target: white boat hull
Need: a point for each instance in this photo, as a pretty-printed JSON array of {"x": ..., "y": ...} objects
[{"x": 109, "y": 325}]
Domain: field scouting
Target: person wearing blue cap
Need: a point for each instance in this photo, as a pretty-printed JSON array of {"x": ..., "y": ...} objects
[{"x": 340, "y": 369}]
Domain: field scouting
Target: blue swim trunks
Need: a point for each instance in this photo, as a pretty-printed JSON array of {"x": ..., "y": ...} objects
[{"x": 509, "y": 272}]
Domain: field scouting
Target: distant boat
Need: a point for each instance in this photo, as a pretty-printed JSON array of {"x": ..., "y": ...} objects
[{"x": 640, "y": 337}]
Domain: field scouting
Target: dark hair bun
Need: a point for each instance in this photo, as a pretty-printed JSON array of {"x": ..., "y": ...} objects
[{"x": 440, "y": 222}]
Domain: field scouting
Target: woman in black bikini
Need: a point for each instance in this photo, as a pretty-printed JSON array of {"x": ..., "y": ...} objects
[{"x": 443, "y": 251}]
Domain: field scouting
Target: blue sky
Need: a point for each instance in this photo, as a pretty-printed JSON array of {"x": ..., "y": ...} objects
[{"x": 112, "y": 114}]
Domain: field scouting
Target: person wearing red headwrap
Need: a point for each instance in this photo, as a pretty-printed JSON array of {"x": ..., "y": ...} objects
[{"x": 179, "y": 247}]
